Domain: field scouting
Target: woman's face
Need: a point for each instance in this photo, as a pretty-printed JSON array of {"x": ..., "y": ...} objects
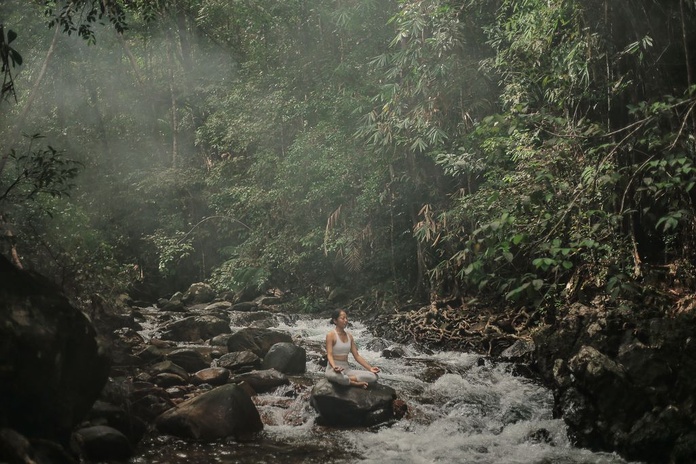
[{"x": 341, "y": 320}]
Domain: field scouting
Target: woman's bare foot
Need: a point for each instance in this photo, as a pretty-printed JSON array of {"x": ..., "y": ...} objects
[{"x": 355, "y": 383}]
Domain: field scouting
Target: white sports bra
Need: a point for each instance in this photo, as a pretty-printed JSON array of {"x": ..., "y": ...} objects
[{"x": 341, "y": 348}]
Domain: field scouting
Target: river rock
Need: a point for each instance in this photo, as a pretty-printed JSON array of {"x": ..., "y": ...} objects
[
  {"x": 244, "y": 306},
  {"x": 51, "y": 365},
  {"x": 256, "y": 340},
  {"x": 188, "y": 358},
  {"x": 194, "y": 328},
  {"x": 287, "y": 358},
  {"x": 212, "y": 376},
  {"x": 226, "y": 411},
  {"x": 266, "y": 300},
  {"x": 262, "y": 381},
  {"x": 118, "y": 416},
  {"x": 101, "y": 443},
  {"x": 346, "y": 406},
  {"x": 169, "y": 367},
  {"x": 150, "y": 354},
  {"x": 167, "y": 379},
  {"x": 172, "y": 306},
  {"x": 520, "y": 351},
  {"x": 218, "y": 306},
  {"x": 238, "y": 361},
  {"x": 198, "y": 293},
  {"x": 16, "y": 448},
  {"x": 248, "y": 319},
  {"x": 623, "y": 380}
]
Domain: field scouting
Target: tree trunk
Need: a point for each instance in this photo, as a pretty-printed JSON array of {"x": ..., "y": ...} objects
[
  {"x": 685, "y": 43},
  {"x": 131, "y": 59},
  {"x": 174, "y": 119}
]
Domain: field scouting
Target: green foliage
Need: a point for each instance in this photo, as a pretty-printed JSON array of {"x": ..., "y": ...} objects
[
  {"x": 38, "y": 171},
  {"x": 530, "y": 151},
  {"x": 557, "y": 198},
  {"x": 170, "y": 249}
]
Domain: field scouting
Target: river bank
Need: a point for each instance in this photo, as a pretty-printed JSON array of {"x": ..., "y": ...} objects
[{"x": 621, "y": 375}]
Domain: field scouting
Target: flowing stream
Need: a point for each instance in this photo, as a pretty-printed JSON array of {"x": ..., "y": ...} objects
[{"x": 462, "y": 409}]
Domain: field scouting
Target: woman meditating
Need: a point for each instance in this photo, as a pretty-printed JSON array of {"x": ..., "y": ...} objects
[{"x": 338, "y": 344}]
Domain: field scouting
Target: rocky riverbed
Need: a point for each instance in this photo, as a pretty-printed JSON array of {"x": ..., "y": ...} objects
[{"x": 620, "y": 379}]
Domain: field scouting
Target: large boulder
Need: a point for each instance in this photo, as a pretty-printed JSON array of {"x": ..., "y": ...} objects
[
  {"x": 238, "y": 361},
  {"x": 101, "y": 443},
  {"x": 51, "y": 366},
  {"x": 623, "y": 380},
  {"x": 287, "y": 358},
  {"x": 346, "y": 406},
  {"x": 195, "y": 328},
  {"x": 211, "y": 376},
  {"x": 197, "y": 293},
  {"x": 190, "y": 359},
  {"x": 226, "y": 411},
  {"x": 262, "y": 381},
  {"x": 256, "y": 340}
]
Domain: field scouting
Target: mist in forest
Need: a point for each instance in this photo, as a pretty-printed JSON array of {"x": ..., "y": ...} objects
[{"x": 414, "y": 147}]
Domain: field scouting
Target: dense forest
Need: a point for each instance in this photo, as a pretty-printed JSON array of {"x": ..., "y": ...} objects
[{"x": 525, "y": 153}]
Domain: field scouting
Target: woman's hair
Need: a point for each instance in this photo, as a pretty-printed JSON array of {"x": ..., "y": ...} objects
[{"x": 336, "y": 314}]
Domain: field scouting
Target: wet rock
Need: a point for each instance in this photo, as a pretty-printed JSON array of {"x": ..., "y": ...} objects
[
  {"x": 520, "y": 351},
  {"x": 220, "y": 340},
  {"x": 222, "y": 412},
  {"x": 349, "y": 406},
  {"x": 122, "y": 343},
  {"x": 394, "y": 351},
  {"x": 287, "y": 358},
  {"x": 150, "y": 354},
  {"x": 16, "y": 448},
  {"x": 118, "y": 417},
  {"x": 174, "y": 306},
  {"x": 198, "y": 293},
  {"x": 262, "y": 381},
  {"x": 190, "y": 359},
  {"x": 268, "y": 300},
  {"x": 212, "y": 376},
  {"x": 250, "y": 318},
  {"x": 400, "y": 408},
  {"x": 378, "y": 344},
  {"x": 239, "y": 360},
  {"x": 623, "y": 379},
  {"x": 176, "y": 393},
  {"x": 101, "y": 443},
  {"x": 51, "y": 365},
  {"x": 167, "y": 379},
  {"x": 169, "y": 367},
  {"x": 256, "y": 340},
  {"x": 195, "y": 328},
  {"x": 653, "y": 436},
  {"x": 218, "y": 305},
  {"x": 540, "y": 436},
  {"x": 245, "y": 306},
  {"x": 263, "y": 324}
]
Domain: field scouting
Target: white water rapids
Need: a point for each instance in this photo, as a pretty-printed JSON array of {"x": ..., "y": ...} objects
[{"x": 462, "y": 409}]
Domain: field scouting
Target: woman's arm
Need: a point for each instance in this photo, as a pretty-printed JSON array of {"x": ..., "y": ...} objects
[
  {"x": 360, "y": 360},
  {"x": 329, "y": 351}
]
